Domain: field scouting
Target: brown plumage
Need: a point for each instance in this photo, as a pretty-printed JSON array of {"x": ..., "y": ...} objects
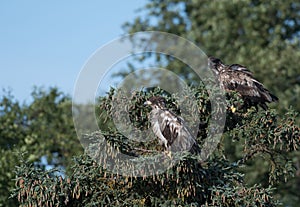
[
  {"x": 171, "y": 130},
  {"x": 238, "y": 78}
]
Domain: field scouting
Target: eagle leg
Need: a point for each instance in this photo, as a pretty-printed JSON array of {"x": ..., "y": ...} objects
[{"x": 168, "y": 153}]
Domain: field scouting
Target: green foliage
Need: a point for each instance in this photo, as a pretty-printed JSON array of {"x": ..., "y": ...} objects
[
  {"x": 219, "y": 181},
  {"x": 258, "y": 153},
  {"x": 42, "y": 129},
  {"x": 262, "y": 35}
]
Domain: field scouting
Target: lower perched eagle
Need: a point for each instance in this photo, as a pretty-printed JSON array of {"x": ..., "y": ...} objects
[
  {"x": 171, "y": 130},
  {"x": 238, "y": 78}
]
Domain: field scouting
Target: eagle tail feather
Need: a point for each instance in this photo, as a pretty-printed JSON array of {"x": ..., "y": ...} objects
[{"x": 274, "y": 98}]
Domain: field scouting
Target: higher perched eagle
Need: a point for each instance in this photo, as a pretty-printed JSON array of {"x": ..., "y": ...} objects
[
  {"x": 171, "y": 130},
  {"x": 238, "y": 78}
]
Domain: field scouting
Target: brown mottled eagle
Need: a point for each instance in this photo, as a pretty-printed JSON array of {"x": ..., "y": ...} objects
[
  {"x": 171, "y": 130},
  {"x": 238, "y": 78}
]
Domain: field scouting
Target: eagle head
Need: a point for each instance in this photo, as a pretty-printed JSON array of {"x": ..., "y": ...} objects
[
  {"x": 156, "y": 102},
  {"x": 215, "y": 64}
]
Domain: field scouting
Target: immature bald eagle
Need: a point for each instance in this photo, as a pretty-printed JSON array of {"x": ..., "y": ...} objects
[
  {"x": 238, "y": 78},
  {"x": 171, "y": 130}
]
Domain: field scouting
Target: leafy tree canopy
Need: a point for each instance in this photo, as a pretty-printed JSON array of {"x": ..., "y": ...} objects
[
  {"x": 257, "y": 155},
  {"x": 262, "y": 35},
  {"x": 43, "y": 129},
  {"x": 219, "y": 181}
]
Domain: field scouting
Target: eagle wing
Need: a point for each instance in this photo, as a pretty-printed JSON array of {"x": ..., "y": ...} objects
[
  {"x": 238, "y": 78},
  {"x": 241, "y": 68},
  {"x": 177, "y": 134}
]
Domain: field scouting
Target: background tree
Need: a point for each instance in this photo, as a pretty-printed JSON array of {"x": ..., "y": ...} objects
[
  {"x": 261, "y": 35},
  {"x": 42, "y": 129}
]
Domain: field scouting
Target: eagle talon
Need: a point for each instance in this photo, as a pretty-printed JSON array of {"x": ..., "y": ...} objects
[
  {"x": 232, "y": 108},
  {"x": 168, "y": 154}
]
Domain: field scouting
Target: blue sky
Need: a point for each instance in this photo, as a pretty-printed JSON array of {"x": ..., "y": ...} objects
[{"x": 46, "y": 43}]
